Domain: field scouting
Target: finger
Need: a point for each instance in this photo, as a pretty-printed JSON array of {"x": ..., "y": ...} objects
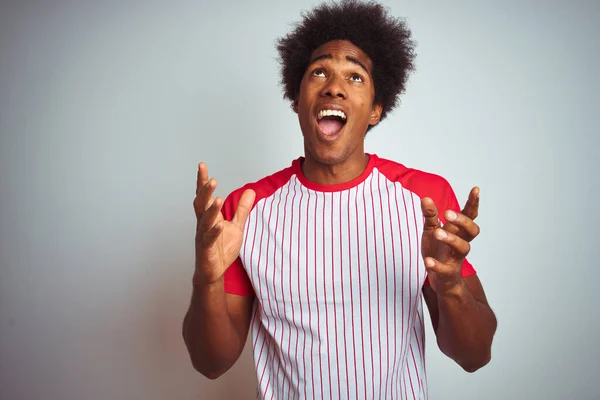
[
  {"x": 209, "y": 238},
  {"x": 471, "y": 209},
  {"x": 430, "y": 213},
  {"x": 244, "y": 207},
  {"x": 202, "y": 178},
  {"x": 467, "y": 228},
  {"x": 460, "y": 247},
  {"x": 204, "y": 199},
  {"x": 211, "y": 216}
]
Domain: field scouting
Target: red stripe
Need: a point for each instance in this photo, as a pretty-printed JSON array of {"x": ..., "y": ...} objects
[
  {"x": 368, "y": 287},
  {"x": 343, "y": 298},
  {"x": 337, "y": 363},
  {"x": 420, "y": 342},
  {"x": 418, "y": 259},
  {"x": 377, "y": 280},
  {"x": 290, "y": 287},
  {"x": 412, "y": 353},
  {"x": 326, "y": 302},
  {"x": 351, "y": 280},
  {"x": 410, "y": 379},
  {"x": 405, "y": 336},
  {"x": 418, "y": 262},
  {"x": 402, "y": 340},
  {"x": 389, "y": 208},
  {"x": 387, "y": 325},
  {"x": 300, "y": 300},
  {"x": 412, "y": 318},
  {"x": 317, "y": 297},
  {"x": 276, "y": 234},
  {"x": 283, "y": 360},
  {"x": 422, "y": 347},
  {"x": 253, "y": 264},
  {"x": 271, "y": 347},
  {"x": 307, "y": 300},
  {"x": 260, "y": 254},
  {"x": 362, "y": 338}
]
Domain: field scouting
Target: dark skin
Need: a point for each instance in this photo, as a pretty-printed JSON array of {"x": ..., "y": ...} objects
[
  {"x": 216, "y": 324},
  {"x": 338, "y": 77},
  {"x": 461, "y": 316}
]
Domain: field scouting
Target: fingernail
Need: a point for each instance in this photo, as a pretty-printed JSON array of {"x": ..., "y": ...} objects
[
  {"x": 452, "y": 216},
  {"x": 441, "y": 234}
]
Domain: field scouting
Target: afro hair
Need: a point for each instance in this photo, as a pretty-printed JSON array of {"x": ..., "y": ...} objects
[{"x": 386, "y": 40}]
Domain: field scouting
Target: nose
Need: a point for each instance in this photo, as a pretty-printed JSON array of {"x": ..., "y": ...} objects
[{"x": 334, "y": 88}]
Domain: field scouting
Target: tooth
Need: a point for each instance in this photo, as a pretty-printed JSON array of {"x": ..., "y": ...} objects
[{"x": 328, "y": 113}]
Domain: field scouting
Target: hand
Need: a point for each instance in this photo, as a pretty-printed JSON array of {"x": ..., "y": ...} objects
[
  {"x": 218, "y": 241},
  {"x": 444, "y": 248}
]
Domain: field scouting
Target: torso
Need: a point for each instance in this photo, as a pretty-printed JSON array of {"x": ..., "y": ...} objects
[{"x": 337, "y": 274}]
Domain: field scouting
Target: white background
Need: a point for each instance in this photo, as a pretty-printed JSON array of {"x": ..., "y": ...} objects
[{"x": 106, "y": 109}]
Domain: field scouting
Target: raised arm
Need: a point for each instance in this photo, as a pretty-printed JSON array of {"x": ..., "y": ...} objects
[
  {"x": 462, "y": 319},
  {"x": 216, "y": 324}
]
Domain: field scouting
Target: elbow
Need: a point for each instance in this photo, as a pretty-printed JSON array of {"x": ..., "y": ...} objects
[
  {"x": 201, "y": 365},
  {"x": 476, "y": 364},
  {"x": 470, "y": 359},
  {"x": 206, "y": 370},
  {"x": 209, "y": 369},
  {"x": 210, "y": 374}
]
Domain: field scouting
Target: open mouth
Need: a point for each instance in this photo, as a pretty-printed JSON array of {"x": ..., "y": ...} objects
[{"x": 331, "y": 121}]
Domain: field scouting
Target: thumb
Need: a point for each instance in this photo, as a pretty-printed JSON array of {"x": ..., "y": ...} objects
[
  {"x": 430, "y": 213},
  {"x": 244, "y": 207}
]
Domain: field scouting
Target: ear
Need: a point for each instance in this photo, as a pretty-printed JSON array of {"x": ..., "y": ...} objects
[
  {"x": 375, "y": 114},
  {"x": 295, "y": 104}
]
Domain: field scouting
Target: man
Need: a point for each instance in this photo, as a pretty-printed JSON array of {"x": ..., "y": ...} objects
[{"x": 327, "y": 261}]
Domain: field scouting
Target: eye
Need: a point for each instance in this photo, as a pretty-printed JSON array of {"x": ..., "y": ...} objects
[
  {"x": 319, "y": 72},
  {"x": 356, "y": 78}
]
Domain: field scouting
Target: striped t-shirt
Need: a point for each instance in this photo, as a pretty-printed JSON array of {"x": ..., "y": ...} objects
[{"x": 337, "y": 273}]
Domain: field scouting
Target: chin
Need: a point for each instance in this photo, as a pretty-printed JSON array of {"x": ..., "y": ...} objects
[{"x": 328, "y": 155}]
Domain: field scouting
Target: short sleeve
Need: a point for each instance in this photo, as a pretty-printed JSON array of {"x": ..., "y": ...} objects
[{"x": 236, "y": 278}]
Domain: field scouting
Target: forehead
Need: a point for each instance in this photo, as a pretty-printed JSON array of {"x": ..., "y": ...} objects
[{"x": 340, "y": 50}]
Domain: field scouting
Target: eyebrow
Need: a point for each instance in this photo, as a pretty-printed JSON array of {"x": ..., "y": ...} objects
[{"x": 351, "y": 59}]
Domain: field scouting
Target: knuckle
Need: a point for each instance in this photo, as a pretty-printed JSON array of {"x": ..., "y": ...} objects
[
  {"x": 467, "y": 248},
  {"x": 197, "y": 206}
]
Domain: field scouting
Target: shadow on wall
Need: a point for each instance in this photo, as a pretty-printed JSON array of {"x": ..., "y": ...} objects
[{"x": 172, "y": 374}]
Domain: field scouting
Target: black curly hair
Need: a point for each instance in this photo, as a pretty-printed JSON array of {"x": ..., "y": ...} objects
[{"x": 386, "y": 40}]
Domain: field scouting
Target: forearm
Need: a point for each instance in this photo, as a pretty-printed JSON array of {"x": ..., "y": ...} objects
[
  {"x": 209, "y": 333},
  {"x": 466, "y": 328}
]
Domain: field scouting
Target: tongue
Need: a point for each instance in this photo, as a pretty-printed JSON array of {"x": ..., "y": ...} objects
[{"x": 330, "y": 126}]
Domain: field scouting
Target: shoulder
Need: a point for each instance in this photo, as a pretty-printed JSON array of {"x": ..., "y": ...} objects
[
  {"x": 421, "y": 183},
  {"x": 263, "y": 188}
]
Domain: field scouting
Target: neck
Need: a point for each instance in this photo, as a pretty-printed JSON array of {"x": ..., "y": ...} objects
[{"x": 333, "y": 174}]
